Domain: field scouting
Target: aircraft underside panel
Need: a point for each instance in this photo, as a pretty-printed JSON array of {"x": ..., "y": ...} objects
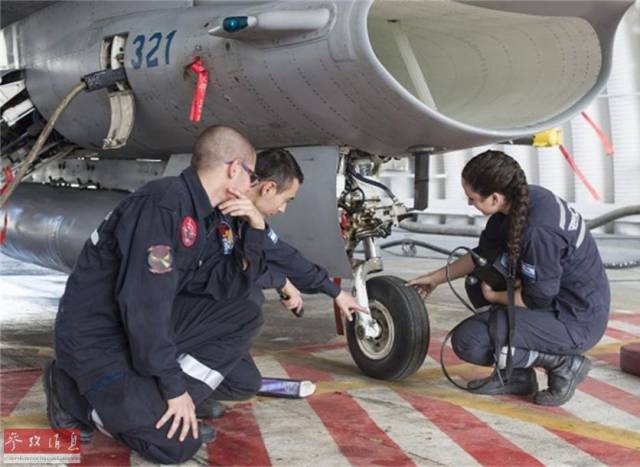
[
  {"x": 48, "y": 225},
  {"x": 382, "y": 76},
  {"x": 311, "y": 220}
]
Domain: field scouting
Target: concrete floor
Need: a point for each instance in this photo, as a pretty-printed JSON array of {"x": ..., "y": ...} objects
[{"x": 353, "y": 419}]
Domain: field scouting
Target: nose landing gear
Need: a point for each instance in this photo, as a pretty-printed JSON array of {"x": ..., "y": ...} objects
[
  {"x": 391, "y": 342},
  {"x": 403, "y": 338}
]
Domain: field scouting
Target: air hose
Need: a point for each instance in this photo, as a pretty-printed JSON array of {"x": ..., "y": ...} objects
[
  {"x": 35, "y": 150},
  {"x": 510, "y": 306},
  {"x": 90, "y": 82},
  {"x": 628, "y": 264}
]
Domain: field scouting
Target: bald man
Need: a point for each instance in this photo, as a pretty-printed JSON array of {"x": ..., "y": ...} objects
[{"x": 155, "y": 313}]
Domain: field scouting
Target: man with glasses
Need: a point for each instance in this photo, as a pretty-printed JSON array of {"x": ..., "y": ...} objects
[
  {"x": 155, "y": 314},
  {"x": 277, "y": 182}
]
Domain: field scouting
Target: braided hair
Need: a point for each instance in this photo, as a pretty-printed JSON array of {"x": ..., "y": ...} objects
[{"x": 496, "y": 172}]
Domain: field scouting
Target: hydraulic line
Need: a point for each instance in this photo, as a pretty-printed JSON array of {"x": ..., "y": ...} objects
[{"x": 375, "y": 183}]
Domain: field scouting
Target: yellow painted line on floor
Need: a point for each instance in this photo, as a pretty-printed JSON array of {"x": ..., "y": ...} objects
[
  {"x": 421, "y": 384},
  {"x": 529, "y": 414},
  {"x": 613, "y": 347},
  {"x": 35, "y": 420},
  {"x": 46, "y": 351}
]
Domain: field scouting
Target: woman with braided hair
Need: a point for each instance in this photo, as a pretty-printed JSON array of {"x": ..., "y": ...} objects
[{"x": 562, "y": 292}]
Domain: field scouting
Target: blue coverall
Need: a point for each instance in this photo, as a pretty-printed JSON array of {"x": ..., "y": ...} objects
[
  {"x": 156, "y": 305},
  {"x": 283, "y": 261},
  {"x": 564, "y": 287}
]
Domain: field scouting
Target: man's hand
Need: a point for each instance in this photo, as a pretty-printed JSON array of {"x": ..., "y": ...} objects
[
  {"x": 294, "y": 302},
  {"x": 183, "y": 411},
  {"x": 425, "y": 285},
  {"x": 348, "y": 305},
  {"x": 241, "y": 206}
]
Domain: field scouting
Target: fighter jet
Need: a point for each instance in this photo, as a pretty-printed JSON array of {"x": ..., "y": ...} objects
[{"x": 345, "y": 84}]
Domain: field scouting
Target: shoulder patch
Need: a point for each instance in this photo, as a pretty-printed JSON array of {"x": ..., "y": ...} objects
[
  {"x": 273, "y": 235},
  {"x": 528, "y": 270},
  {"x": 188, "y": 231},
  {"x": 226, "y": 237},
  {"x": 160, "y": 259}
]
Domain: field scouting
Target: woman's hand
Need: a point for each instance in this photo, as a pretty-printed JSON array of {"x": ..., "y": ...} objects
[
  {"x": 488, "y": 293},
  {"x": 501, "y": 298},
  {"x": 425, "y": 285},
  {"x": 183, "y": 412}
]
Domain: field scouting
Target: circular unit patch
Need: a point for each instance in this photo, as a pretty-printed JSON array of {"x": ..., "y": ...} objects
[{"x": 188, "y": 231}]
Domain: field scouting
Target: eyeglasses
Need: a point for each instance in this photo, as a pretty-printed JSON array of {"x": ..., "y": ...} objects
[{"x": 253, "y": 177}]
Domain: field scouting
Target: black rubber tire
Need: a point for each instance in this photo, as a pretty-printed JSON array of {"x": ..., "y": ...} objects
[{"x": 410, "y": 322}]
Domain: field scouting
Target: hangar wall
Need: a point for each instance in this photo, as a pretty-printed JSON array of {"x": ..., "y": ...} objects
[{"x": 616, "y": 178}]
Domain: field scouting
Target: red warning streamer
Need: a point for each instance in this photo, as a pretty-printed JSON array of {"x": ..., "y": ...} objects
[
  {"x": 201, "y": 89},
  {"x": 3, "y": 232},
  {"x": 606, "y": 143},
  {"x": 578, "y": 172},
  {"x": 8, "y": 178}
]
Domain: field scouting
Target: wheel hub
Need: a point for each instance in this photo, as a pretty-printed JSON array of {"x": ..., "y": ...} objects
[{"x": 379, "y": 347}]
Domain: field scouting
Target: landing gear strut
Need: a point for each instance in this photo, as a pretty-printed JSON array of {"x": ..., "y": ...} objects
[{"x": 390, "y": 343}]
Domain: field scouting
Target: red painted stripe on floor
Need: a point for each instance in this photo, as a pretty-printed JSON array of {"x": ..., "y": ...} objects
[
  {"x": 238, "y": 439},
  {"x": 606, "y": 453},
  {"x": 103, "y": 450},
  {"x": 450, "y": 358},
  {"x": 321, "y": 347},
  {"x": 612, "y": 358},
  {"x": 626, "y": 317},
  {"x": 360, "y": 440},
  {"x": 618, "y": 334},
  {"x": 14, "y": 385},
  {"x": 612, "y": 395},
  {"x": 473, "y": 435},
  {"x": 304, "y": 372}
]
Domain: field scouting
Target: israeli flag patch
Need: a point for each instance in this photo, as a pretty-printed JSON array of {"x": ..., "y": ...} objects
[
  {"x": 528, "y": 270},
  {"x": 273, "y": 236}
]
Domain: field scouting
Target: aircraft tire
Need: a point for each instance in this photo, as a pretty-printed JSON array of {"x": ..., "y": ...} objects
[{"x": 402, "y": 346}]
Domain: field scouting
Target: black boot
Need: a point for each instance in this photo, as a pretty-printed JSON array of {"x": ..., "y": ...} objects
[
  {"x": 57, "y": 415},
  {"x": 207, "y": 433},
  {"x": 210, "y": 408},
  {"x": 564, "y": 373},
  {"x": 523, "y": 382}
]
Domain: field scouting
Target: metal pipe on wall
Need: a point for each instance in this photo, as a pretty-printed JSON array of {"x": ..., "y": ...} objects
[{"x": 624, "y": 107}]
